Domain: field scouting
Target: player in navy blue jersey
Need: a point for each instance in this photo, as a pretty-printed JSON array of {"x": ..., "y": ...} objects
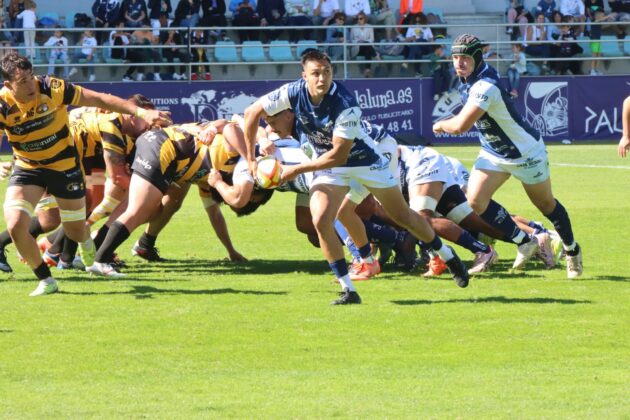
[
  {"x": 509, "y": 146},
  {"x": 328, "y": 117}
]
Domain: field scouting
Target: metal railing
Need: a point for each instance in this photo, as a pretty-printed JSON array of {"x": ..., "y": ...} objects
[{"x": 345, "y": 61}]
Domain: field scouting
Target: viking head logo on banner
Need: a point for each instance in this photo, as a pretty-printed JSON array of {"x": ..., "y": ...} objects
[
  {"x": 212, "y": 104},
  {"x": 547, "y": 107}
]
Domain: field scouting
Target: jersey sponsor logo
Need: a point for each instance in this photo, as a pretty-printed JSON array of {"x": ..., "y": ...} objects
[
  {"x": 547, "y": 107},
  {"x": 35, "y": 146},
  {"x": 30, "y": 126},
  {"x": 481, "y": 97},
  {"x": 145, "y": 163},
  {"x": 74, "y": 186},
  {"x": 73, "y": 173},
  {"x": 529, "y": 163}
]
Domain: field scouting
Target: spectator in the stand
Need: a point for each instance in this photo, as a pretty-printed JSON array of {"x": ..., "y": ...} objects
[
  {"x": 323, "y": 15},
  {"x": 383, "y": 15},
  {"x": 198, "y": 44},
  {"x": 597, "y": 16},
  {"x": 272, "y": 13},
  {"x": 363, "y": 34},
  {"x": 14, "y": 9},
  {"x": 118, "y": 39},
  {"x": 29, "y": 18},
  {"x": 86, "y": 52},
  {"x": 517, "y": 17},
  {"x": 534, "y": 38},
  {"x": 410, "y": 7},
  {"x": 6, "y": 37},
  {"x": 298, "y": 14},
  {"x": 142, "y": 37},
  {"x": 353, "y": 7},
  {"x": 244, "y": 14},
  {"x": 335, "y": 34},
  {"x": 106, "y": 15},
  {"x": 517, "y": 67},
  {"x": 173, "y": 40},
  {"x": 187, "y": 13},
  {"x": 156, "y": 9},
  {"x": 58, "y": 51},
  {"x": 620, "y": 13},
  {"x": 566, "y": 48},
  {"x": 553, "y": 30},
  {"x": 576, "y": 9},
  {"x": 440, "y": 71},
  {"x": 418, "y": 34},
  {"x": 135, "y": 13},
  {"x": 547, "y": 7},
  {"x": 213, "y": 14}
]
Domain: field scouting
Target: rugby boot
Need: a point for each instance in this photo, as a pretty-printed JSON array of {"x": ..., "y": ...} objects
[
  {"x": 436, "y": 267},
  {"x": 50, "y": 259},
  {"x": 458, "y": 270},
  {"x": 574, "y": 263},
  {"x": 45, "y": 287},
  {"x": 483, "y": 261},
  {"x": 103, "y": 269},
  {"x": 347, "y": 298},
  {"x": 524, "y": 252},
  {"x": 148, "y": 254},
  {"x": 544, "y": 252},
  {"x": 366, "y": 271},
  {"x": 4, "y": 264},
  {"x": 87, "y": 250}
]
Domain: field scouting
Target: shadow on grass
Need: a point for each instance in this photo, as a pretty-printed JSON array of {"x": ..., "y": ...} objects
[
  {"x": 147, "y": 292},
  {"x": 5, "y": 331},
  {"x": 605, "y": 278},
  {"x": 494, "y": 299}
]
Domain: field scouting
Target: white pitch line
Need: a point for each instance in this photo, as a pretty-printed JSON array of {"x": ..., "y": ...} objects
[{"x": 576, "y": 165}]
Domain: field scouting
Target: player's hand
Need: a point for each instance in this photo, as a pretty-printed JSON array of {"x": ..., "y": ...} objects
[
  {"x": 288, "y": 173},
  {"x": 266, "y": 146},
  {"x": 157, "y": 118},
  {"x": 236, "y": 256},
  {"x": 253, "y": 166},
  {"x": 5, "y": 169},
  {"x": 437, "y": 128},
  {"x": 207, "y": 135},
  {"x": 214, "y": 177},
  {"x": 624, "y": 146}
]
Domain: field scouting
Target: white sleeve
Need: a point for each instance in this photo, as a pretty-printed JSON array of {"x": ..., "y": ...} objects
[
  {"x": 241, "y": 173},
  {"x": 348, "y": 124},
  {"x": 483, "y": 94},
  {"x": 276, "y": 101}
]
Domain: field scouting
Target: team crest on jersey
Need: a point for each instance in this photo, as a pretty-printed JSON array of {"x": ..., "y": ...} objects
[
  {"x": 42, "y": 108},
  {"x": 55, "y": 83},
  {"x": 74, "y": 186},
  {"x": 547, "y": 107}
]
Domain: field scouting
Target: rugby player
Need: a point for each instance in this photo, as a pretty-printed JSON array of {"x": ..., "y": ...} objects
[
  {"x": 33, "y": 114},
  {"x": 328, "y": 116},
  {"x": 509, "y": 146},
  {"x": 624, "y": 143}
]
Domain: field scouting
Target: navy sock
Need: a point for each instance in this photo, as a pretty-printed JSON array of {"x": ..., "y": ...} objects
[
  {"x": 467, "y": 241},
  {"x": 560, "y": 219},
  {"x": 499, "y": 217},
  {"x": 435, "y": 244},
  {"x": 365, "y": 251},
  {"x": 339, "y": 267},
  {"x": 345, "y": 237},
  {"x": 380, "y": 232},
  {"x": 536, "y": 226}
]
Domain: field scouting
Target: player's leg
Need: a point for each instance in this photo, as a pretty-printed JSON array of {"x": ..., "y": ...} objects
[{"x": 304, "y": 219}]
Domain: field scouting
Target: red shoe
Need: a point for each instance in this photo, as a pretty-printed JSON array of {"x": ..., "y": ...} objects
[
  {"x": 193, "y": 76},
  {"x": 436, "y": 267},
  {"x": 43, "y": 244},
  {"x": 207, "y": 76},
  {"x": 365, "y": 271}
]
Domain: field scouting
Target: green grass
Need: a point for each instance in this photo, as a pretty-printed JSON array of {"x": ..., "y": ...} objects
[{"x": 199, "y": 337}]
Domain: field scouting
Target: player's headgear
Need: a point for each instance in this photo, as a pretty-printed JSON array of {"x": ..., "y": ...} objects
[{"x": 469, "y": 45}]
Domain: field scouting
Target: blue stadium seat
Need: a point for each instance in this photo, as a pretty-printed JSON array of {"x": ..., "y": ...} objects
[
  {"x": 253, "y": 51},
  {"x": 303, "y": 45},
  {"x": 436, "y": 11},
  {"x": 586, "y": 46},
  {"x": 225, "y": 52},
  {"x": 610, "y": 46},
  {"x": 280, "y": 51},
  {"x": 51, "y": 15}
]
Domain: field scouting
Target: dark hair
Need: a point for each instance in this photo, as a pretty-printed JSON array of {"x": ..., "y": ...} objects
[
  {"x": 12, "y": 62},
  {"x": 251, "y": 207},
  {"x": 338, "y": 15},
  {"x": 312, "y": 54},
  {"x": 423, "y": 20},
  {"x": 141, "y": 101}
]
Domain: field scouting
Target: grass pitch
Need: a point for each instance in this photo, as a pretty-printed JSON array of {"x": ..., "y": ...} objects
[{"x": 200, "y": 337}]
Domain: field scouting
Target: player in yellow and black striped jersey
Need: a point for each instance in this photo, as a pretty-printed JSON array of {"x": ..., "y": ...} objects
[
  {"x": 174, "y": 155},
  {"x": 33, "y": 114}
]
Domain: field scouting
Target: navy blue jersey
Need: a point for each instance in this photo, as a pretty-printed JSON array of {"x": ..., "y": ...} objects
[{"x": 337, "y": 115}]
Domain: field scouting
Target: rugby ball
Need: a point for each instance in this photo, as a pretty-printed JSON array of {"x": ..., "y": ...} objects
[{"x": 268, "y": 172}]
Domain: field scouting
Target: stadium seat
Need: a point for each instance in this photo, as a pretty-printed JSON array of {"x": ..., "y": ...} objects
[
  {"x": 280, "y": 51},
  {"x": 303, "y": 45},
  {"x": 253, "y": 51},
  {"x": 225, "y": 52},
  {"x": 586, "y": 46},
  {"x": 436, "y": 11},
  {"x": 50, "y": 15},
  {"x": 610, "y": 46},
  {"x": 107, "y": 54}
]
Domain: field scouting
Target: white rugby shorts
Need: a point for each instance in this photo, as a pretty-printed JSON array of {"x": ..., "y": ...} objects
[{"x": 533, "y": 168}]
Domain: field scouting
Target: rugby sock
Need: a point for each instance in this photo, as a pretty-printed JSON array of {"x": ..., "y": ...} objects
[
  {"x": 57, "y": 242},
  {"x": 438, "y": 247},
  {"x": 467, "y": 241},
  {"x": 380, "y": 232},
  {"x": 43, "y": 271},
  {"x": 35, "y": 228},
  {"x": 69, "y": 250},
  {"x": 536, "y": 226},
  {"x": 365, "y": 252},
  {"x": 340, "y": 269},
  {"x": 5, "y": 239},
  {"x": 147, "y": 241},
  {"x": 346, "y": 239},
  {"x": 560, "y": 219},
  {"x": 118, "y": 233},
  {"x": 500, "y": 218},
  {"x": 101, "y": 234}
]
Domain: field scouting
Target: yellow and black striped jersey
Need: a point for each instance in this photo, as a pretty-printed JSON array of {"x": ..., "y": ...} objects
[
  {"x": 190, "y": 156},
  {"x": 38, "y": 131},
  {"x": 94, "y": 131}
]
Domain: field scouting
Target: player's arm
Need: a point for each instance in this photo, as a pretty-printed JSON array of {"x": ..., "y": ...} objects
[
  {"x": 624, "y": 143},
  {"x": 253, "y": 114},
  {"x": 460, "y": 123},
  {"x": 236, "y": 195},
  {"x": 117, "y": 168},
  {"x": 220, "y": 228},
  {"x": 337, "y": 156},
  {"x": 122, "y": 106}
]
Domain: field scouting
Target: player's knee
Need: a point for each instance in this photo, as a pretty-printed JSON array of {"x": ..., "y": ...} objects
[
  {"x": 479, "y": 206},
  {"x": 322, "y": 221},
  {"x": 17, "y": 214}
]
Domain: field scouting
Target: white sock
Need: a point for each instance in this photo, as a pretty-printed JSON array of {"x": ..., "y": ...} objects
[
  {"x": 518, "y": 239},
  {"x": 569, "y": 247},
  {"x": 445, "y": 253},
  {"x": 346, "y": 283}
]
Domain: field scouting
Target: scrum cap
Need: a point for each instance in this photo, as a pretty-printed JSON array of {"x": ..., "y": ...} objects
[{"x": 469, "y": 45}]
